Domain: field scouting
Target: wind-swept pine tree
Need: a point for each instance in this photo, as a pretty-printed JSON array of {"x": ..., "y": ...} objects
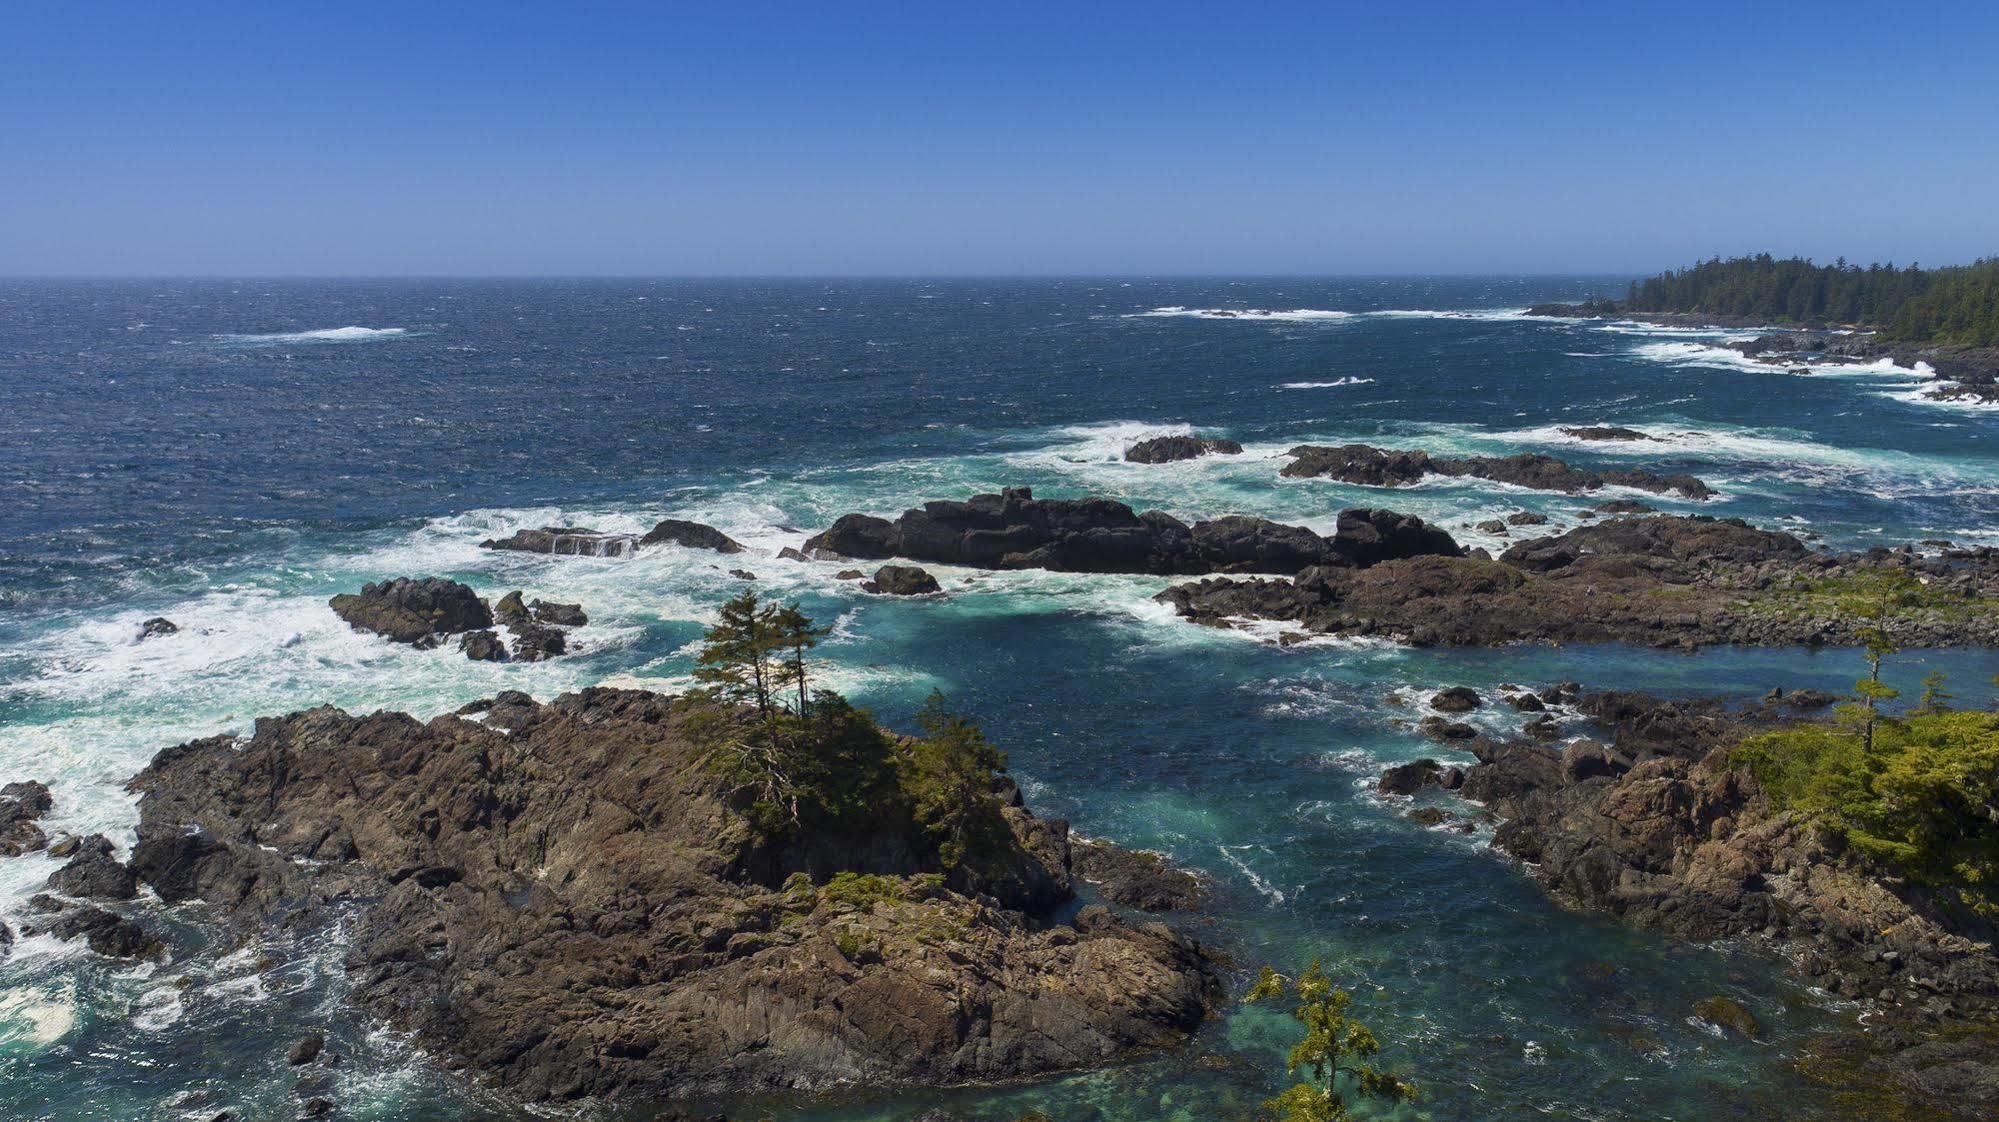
[{"x": 1335, "y": 1045}]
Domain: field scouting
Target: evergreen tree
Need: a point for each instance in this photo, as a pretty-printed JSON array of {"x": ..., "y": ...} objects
[{"x": 1335, "y": 1045}]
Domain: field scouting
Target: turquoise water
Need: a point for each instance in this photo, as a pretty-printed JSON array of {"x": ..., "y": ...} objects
[{"x": 222, "y": 454}]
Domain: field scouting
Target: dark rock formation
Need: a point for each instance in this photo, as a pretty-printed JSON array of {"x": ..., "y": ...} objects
[
  {"x": 902, "y": 580},
  {"x": 1379, "y": 467},
  {"x": 1661, "y": 581},
  {"x": 1015, "y": 530},
  {"x": 94, "y": 873},
  {"x": 306, "y": 1049},
  {"x": 1407, "y": 779},
  {"x": 483, "y": 646},
  {"x": 413, "y": 611},
  {"x": 559, "y": 615},
  {"x": 1165, "y": 449},
  {"x": 157, "y": 627},
  {"x": 566, "y": 900},
  {"x": 1526, "y": 518},
  {"x": 106, "y": 932},
  {"x": 1456, "y": 699},
  {"x": 536, "y": 642},
  {"x": 21, "y": 804},
  {"x": 571, "y": 541},
  {"x": 693, "y": 535},
  {"x": 1605, "y": 432},
  {"x": 1136, "y": 878}
]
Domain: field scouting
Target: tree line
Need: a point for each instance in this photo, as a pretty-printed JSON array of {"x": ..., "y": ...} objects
[{"x": 1956, "y": 304}]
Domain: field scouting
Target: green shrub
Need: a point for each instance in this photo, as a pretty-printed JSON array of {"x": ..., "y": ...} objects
[{"x": 1922, "y": 800}]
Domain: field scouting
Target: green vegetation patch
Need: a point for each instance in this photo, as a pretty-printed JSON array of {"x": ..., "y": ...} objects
[
  {"x": 1915, "y": 793},
  {"x": 1883, "y": 594}
]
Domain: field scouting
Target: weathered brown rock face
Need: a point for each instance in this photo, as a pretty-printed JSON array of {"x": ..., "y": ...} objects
[
  {"x": 561, "y": 897},
  {"x": 1668, "y": 581}
]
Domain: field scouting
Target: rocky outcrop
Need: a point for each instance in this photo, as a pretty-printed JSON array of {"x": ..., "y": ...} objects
[
  {"x": 902, "y": 580},
  {"x": 93, "y": 873},
  {"x": 1015, "y": 530},
  {"x": 1166, "y": 449},
  {"x": 418, "y": 612},
  {"x": 1605, "y": 432},
  {"x": 1380, "y": 467},
  {"x": 106, "y": 932},
  {"x": 566, "y": 900},
  {"x": 693, "y": 535},
  {"x": 1657, "y": 829},
  {"x": 1667, "y": 581},
  {"x": 21, "y": 805},
  {"x": 1136, "y": 878},
  {"x": 570, "y": 541},
  {"x": 578, "y": 541}
]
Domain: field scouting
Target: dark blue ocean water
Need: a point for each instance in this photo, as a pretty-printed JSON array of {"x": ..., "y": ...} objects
[{"x": 229, "y": 453}]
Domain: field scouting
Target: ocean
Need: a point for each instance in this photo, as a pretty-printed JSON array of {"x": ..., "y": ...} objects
[{"x": 230, "y": 453}]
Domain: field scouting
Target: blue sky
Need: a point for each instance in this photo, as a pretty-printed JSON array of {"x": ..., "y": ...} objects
[{"x": 747, "y": 138}]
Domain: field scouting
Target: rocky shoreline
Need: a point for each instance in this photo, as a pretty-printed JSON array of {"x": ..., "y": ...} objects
[
  {"x": 1652, "y": 824},
  {"x": 1663, "y": 581},
  {"x": 1961, "y": 373}
]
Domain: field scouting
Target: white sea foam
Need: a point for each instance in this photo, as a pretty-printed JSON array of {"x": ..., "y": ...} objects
[
  {"x": 1335, "y": 384},
  {"x": 322, "y": 335},
  {"x": 1491, "y": 315},
  {"x": 1724, "y": 358},
  {"x": 1252, "y": 315}
]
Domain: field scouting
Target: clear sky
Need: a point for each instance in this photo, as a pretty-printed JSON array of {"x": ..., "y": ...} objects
[{"x": 941, "y": 138}]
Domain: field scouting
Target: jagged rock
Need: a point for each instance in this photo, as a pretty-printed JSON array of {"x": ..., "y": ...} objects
[
  {"x": 1526, "y": 702},
  {"x": 94, "y": 873},
  {"x": 156, "y": 628},
  {"x": 1623, "y": 506},
  {"x": 511, "y": 607},
  {"x": 1456, "y": 699},
  {"x": 1165, "y": 449},
  {"x": 1014, "y": 530},
  {"x": 106, "y": 932},
  {"x": 742, "y": 574},
  {"x": 558, "y": 615},
  {"x": 902, "y": 580},
  {"x": 1407, "y": 779},
  {"x": 483, "y": 646},
  {"x": 1135, "y": 878},
  {"x": 1690, "y": 539},
  {"x": 1492, "y": 526},
  {"x": 20, "y": 805},
  {"x": 791, "y": 553},
  {"x": 1378, "y": 467},
  {"x": 413, "y": 611},
  {"x": 850, "y": 574},
  {"x": 693, "y": 535},
  {"x": 1526, "y": 518},
  {"x": 1428, "y": 816},
  {"x": 579, "y": 907},
  {"x": 1543, "y": 728},
  {"x": 537, "y": 642},
  {"x": 571, "y": 541}
]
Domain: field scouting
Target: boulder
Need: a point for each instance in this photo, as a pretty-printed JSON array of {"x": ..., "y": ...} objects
[
  {"x": 306, "y": 1049},
  {"x": 537, "y": 642},
  {"x": 156, "y": 628},
  {"x": 94, "y": 873},
  {"x": 1730, "y": 1015},
  {"x": 1378, "y": 467},
  {"x": 902, "y": 580},
  {"x": 483, "y": 646},
  {"x": 418, "y": 612},
  {"x": 106, "y": 932},
  {"x": 693, "y": 535},
  {"x": 1407, "y": 779},
  {"x": 1456, "y": 699},
  {"x": 558, "y": 615},
  {"x": 21, "y": 804},
  {"x": 1165, "y": 449}
]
